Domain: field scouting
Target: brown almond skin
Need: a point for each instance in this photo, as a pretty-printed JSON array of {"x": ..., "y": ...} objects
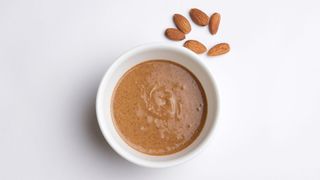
[
  {"x": 214, "y": 23},
  {"x": 219, "y": 49},
  {"x": 182, "y": 23},
  {"x": 174, "y": 34},
  {"x": 195, "y": 46},
  {"x": 199, "y": 17}
]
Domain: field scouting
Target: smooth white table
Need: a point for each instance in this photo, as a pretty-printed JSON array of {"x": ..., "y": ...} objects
[{"x": 54, "y": 53}]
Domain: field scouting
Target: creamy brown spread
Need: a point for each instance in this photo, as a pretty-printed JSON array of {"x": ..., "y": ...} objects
[{"x": 159, "y": 107}]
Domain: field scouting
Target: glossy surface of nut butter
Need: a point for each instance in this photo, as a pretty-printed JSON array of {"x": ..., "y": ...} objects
[{"x": 159, "y": 107}]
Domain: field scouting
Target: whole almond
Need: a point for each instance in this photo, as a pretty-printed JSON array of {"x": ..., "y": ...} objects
[
  {"x": 219, "y": 49},
  {"x": 195, "y": 46},
  {"x": 199, "y": 17},
  {"x": 182, "y": 23},
  {"x": 174, "y": 34},
  {"x": 214, "y": 23}
]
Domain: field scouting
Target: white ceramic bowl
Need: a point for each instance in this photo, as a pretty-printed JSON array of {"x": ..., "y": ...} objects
[{"x": 133, "y": 57}]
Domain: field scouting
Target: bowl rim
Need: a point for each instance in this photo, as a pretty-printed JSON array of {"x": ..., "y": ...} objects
[{"x": 112, "y": 142}]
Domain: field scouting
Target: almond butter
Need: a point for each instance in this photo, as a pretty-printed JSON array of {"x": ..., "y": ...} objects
[
  {"x": 174, "y": 34},
  {"x": 195, "y": 46},
  {"x": 182, "y": 23},
  {"x": 219, "y": 49},
  {"x": 214, "y": 23},
  {"x": 199, "y": 17}
]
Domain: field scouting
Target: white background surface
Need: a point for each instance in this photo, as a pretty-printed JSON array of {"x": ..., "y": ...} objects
[{"x": 54, "y": 53}]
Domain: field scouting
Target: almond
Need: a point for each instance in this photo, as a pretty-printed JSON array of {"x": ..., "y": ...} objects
[
  {"x": 199, "y": 17},
  {"x": 219, "y": 49},
  {"x": 195, "y": 46},
  {"x": 214, "y": 23},
  {"x": 182, "y": 23},
  {"x": 174, "y": 34}
]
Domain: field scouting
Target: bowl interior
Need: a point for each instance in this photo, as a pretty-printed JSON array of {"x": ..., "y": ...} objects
[{"x": 123, "y": 64}]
